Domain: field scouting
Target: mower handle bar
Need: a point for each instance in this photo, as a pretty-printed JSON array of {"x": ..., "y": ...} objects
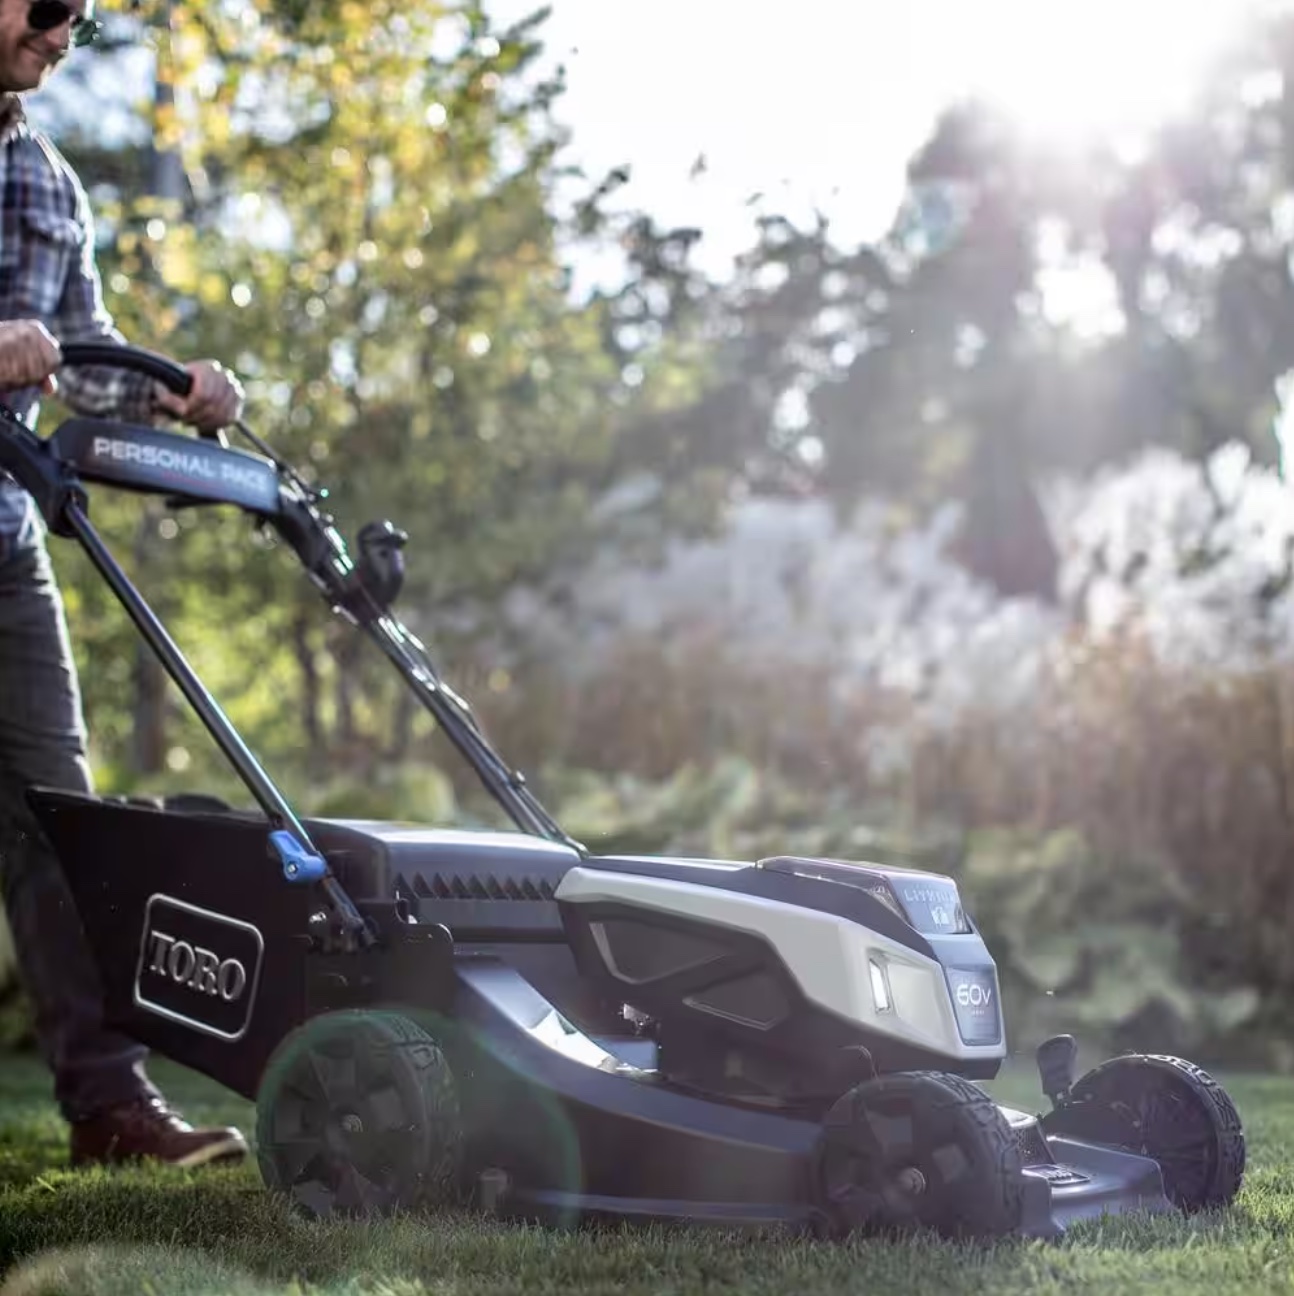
[
  {"x": 406, "y": 653},
  {"x": 174, "y": 377}
]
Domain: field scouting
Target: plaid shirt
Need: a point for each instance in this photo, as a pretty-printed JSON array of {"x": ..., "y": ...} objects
[{"x": 48, "y": 273}]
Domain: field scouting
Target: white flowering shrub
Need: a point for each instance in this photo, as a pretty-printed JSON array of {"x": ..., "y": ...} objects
[
  {"x": 1193, "y": 557},
  {"x": 1191, "y": 560},
  {"x": 788, "y": 583}
]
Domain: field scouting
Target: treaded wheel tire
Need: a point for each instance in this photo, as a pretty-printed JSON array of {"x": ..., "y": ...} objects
[
  {"x": 358, "y": 1115},
  {"x": 1202, "y": 1174},
  {"x": 969, "y": 1181}
]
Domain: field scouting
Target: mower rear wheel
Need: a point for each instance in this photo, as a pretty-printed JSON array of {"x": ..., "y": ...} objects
[
  {"x": 920, "y": 1149},
  {"x": 1173, "y": 1112},
  {"x": 358, "y": 1116}
]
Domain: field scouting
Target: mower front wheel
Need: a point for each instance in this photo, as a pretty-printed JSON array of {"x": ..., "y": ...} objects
[
  {"x": 920, "y": 1149},
  {"x": 358, "y": 1116},
  {"x": 1168, "y": 1110}
]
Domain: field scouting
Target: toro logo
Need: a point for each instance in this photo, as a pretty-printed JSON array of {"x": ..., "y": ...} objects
[
  {"x": 198, "y": 967},
  {"x": 974, "y": 992},
  {"x": 195, "y": 967}
]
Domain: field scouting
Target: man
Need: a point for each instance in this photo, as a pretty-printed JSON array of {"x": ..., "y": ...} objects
[{"x": 50, "y": 292}]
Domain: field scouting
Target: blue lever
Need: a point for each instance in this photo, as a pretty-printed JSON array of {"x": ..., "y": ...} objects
[{"x": 299, "y": 864}]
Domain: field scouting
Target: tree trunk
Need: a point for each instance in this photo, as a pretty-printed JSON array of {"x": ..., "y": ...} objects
[
  {"x": 346, "y": 657},
  {"x": 402, "y": 711},
  {"x": 311, "y": 690}
]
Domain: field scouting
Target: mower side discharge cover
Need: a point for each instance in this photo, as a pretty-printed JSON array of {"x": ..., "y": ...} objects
[{"x": 197, "y": 941}]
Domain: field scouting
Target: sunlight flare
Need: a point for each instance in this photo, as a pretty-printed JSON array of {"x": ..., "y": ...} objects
[{"x": 1110, "y": 67}]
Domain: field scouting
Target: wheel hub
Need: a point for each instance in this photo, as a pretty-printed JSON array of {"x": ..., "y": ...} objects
[{"x": 342, "y": 1131}]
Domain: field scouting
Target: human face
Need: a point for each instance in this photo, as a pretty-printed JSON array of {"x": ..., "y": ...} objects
[{"x": 27, "y": 55}]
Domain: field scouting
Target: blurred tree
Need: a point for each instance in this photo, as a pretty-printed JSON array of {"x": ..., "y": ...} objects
[
  {"x": 1034, "y": 309},
  {"x": 370, "y": 231},
  {"x": 374, "y": 227}
]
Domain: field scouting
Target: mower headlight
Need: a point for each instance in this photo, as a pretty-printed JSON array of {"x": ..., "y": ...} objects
[{"x": 880, "y": 987}]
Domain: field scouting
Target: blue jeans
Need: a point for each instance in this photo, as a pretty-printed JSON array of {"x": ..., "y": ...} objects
[{"x": 42, "y": 741}]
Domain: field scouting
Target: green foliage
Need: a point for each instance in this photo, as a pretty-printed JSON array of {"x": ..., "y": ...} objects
[
  {"x": 1093, "y": 944},
  {"x": 417, "y": 794}
]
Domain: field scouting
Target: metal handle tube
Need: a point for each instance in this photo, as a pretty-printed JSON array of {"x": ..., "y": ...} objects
[{"x": 209, "y": 711}]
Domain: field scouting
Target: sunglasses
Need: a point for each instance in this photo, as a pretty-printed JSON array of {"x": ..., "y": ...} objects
[{"x": 46, "y": 15}]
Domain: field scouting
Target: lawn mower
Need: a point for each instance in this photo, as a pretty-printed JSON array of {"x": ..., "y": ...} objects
[{"x": 506, "y": 1021}]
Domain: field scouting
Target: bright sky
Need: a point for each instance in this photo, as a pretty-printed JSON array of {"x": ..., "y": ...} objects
[{"x": 823, "y": 101}]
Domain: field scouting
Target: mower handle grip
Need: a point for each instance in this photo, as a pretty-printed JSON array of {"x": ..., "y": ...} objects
[{"x": 172, "y": 376}]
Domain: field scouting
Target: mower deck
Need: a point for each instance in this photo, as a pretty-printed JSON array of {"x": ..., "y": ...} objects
[{"x": 646, "y": 1150}]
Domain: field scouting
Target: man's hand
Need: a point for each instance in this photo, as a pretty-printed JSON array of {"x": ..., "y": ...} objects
[
  {"x": 214, "y": 402},
  {"x": 29, "y": 355}
]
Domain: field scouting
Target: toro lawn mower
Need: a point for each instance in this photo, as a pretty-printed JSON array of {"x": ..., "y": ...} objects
[{"x": 506, "y": 1021}]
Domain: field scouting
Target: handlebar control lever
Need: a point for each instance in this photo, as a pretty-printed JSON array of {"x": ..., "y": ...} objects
[{"x": 381, "y": 561}]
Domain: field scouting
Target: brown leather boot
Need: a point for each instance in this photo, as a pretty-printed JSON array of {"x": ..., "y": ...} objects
[{"x": 149, "y": 1130}]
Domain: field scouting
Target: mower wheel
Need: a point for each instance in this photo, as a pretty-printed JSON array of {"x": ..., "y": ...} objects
[
  {"x": 358, "y": 1115},
  {"x": 1171, "y": 1111},
  {"x": 920, "y": 1149}
]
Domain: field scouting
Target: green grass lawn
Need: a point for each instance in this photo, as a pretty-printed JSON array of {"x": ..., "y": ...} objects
[{"x": 216, "y": 1231}]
